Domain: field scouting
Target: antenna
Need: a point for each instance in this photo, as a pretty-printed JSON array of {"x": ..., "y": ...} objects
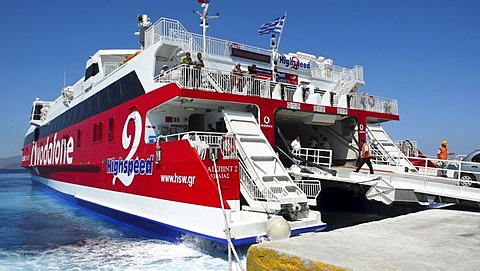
[{"x": 203, "y": 23}]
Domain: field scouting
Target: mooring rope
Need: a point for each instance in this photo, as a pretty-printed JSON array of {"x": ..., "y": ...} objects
[{"x": 231, "y": 248}]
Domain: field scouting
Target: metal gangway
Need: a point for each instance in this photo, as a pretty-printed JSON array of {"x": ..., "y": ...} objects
[
  {"x": 385, "y": 153},
  {"x": 397, "y": 179},
  {"x": 265, "y": 183}
]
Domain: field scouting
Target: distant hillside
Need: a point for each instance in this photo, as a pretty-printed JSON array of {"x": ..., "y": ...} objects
[{"x": 11, "y": 162}]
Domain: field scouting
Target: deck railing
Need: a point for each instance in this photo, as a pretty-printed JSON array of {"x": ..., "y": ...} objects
[
  {"x": 259, "y": 193},
  {"x": 173, "y": 30},
  {"x": 203, "y": 141},
  {"x": 368, "y": 102},
  {"x": 431, "y": 169},
  {"x": 208, "y": 79},
  {"x": 220, "y": 81},
  {"x": 109, "y": 67},
  {"x": 321, "y": 157}
]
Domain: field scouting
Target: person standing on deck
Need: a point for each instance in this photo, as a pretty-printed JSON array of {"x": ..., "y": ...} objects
[
  {"x": 365, "y": 157},
  {"x": 254, "y": 85},
  {"x": 326, "y": 144},
  {"x": 198, "y": 64},
  {"x": 186, "y": 61},
  {"x": 313, "y": 143},
  {"x": 442, "y": 154},
  {"x": 237, "y": 77},
  {"x": 296, "y": 145}
]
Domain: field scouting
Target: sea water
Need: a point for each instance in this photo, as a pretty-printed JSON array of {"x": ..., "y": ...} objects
[{"x": 39, "y": 231}]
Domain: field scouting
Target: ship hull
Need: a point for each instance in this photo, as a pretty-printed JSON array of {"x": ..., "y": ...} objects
[{"x": 153, "y": 222}]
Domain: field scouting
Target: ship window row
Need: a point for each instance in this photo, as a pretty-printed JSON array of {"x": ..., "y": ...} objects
[
  {"x": 125, "y": 89},
  {"x": 97, "y": 134},
  {"x": 98, "y": 130}
]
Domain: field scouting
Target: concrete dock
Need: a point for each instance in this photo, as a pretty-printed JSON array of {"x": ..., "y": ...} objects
[{"x": 435, "y": 239}]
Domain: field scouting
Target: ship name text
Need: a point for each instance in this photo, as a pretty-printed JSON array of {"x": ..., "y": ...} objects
[
  {"x": 54, "y": 152},
  {"x": 222, "y": 171},
  {"x": 129, "y": 166},
  {"x": 294, "y": 63}
]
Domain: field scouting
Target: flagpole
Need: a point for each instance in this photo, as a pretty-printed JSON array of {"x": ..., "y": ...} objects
[{"x": 281, "y": 31}]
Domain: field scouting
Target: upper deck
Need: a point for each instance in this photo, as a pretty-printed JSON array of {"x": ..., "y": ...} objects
[
  {"x": 317, "y": 80},
  {"x": 299, "y": 77}
]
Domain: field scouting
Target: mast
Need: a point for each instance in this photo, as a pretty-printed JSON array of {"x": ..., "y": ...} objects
[
  {"x": 203, "y": 23},
  {"x": 143, "y": 24}
]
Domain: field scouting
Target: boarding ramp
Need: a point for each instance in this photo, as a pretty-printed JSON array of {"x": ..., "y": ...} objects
[
  {"x": 385, "y": 152},
  {"x": 265, "y": 183},
  {"x": 423, "y": 188},
  {"x": 397, "y": 180}
]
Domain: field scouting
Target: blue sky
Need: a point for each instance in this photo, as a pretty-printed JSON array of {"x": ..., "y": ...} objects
[{"x": 424, "y": 53}]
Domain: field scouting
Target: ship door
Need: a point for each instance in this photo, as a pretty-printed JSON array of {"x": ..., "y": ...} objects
[{"x": 196, "y": 122}]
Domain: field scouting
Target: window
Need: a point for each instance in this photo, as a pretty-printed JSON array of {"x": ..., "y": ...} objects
[
  {"x": 95, "y": 129},
  {"x": 476, "y": 158},
  {"x": 100, "y": 131},
  {"x": 86, "y": 110},
  {"x": 111, "y": 123},
  {"x": 79, "y": 138},
  {"x": 92, "y": 70}
]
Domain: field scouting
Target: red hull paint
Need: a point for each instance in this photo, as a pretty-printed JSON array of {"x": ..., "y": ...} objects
[{"x": 89, "y": 166}]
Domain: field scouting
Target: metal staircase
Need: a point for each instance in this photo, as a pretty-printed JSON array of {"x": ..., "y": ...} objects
[
  {"x": 265, "y": 183},
  {"x": 172, "y": 32},
  {"x": 385, "y": 151},
  {"x": 348, "y": 80}
]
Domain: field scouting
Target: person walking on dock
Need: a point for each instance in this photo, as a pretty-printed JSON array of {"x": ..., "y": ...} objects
[{"x": 365, "y": 157}]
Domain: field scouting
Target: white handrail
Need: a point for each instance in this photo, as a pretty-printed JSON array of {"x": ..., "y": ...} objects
[
  {"x": 373, "y": 103},
  {"x": 168, "y": 29}
]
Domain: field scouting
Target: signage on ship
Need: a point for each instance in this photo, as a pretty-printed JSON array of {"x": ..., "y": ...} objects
[
  {"x": 292, "y": 105},
  {"x": 130, "y": 167},
  {"x": 293, "y": 62},
  {"x": 266, "y": 122},
  {"x": 54, "y": 152},
  {"x": 126, "y": 169},
  {"x": 342, "y": 111},
  {"x": 224, "y": 172},
  {"x": 319, "y": 108}
]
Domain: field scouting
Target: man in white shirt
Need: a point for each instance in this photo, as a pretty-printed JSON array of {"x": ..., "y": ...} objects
[{"x": 296, "y": 145}]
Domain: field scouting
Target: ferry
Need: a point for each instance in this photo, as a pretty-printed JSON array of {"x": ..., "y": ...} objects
[{"x": 182, "y": 148}]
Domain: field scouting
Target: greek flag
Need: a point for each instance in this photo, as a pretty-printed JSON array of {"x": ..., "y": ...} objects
[{"x": 275, "y": 25}]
